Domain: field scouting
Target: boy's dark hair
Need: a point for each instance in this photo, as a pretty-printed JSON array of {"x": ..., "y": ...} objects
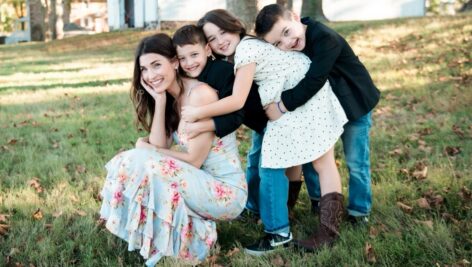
[
  {"x": 268, "y": 16},
  {"x": 189, "y": 35}
]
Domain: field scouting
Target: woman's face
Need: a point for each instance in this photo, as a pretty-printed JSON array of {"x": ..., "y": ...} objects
[
  {"x": 158, "y": 71},
  {"x": 221, "y": 42}
]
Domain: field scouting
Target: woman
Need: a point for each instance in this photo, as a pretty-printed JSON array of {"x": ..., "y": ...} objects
[{"x": 165, "y": 202}]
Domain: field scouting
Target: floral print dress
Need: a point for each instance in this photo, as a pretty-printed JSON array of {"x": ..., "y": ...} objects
[{"x": 166, "y": 207}]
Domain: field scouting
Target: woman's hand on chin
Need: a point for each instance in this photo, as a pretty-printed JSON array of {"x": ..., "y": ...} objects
[{"x": 158, "y": 97}]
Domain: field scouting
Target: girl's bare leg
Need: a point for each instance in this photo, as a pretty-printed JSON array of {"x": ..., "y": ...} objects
[{"x": 325, "y": 166}]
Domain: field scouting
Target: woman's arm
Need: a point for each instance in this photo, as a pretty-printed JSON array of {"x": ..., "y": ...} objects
[
  {"x": 242, "y": 85},
  {"x": 199, "y": 146}
]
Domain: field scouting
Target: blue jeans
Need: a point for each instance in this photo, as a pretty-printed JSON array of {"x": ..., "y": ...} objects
[
  {"x": 356, "y": 150},
  {"x": 268, "y": 190}
]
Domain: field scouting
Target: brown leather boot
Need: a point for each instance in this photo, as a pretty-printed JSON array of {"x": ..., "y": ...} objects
[
  {"x": 293, "y": 191},
  {"x": 331, "y": 213}
]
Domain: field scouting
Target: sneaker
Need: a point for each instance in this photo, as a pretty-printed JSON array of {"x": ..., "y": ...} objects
[
  {"x": 267, "y": 244},
  {"x": 358, "y": 220}
]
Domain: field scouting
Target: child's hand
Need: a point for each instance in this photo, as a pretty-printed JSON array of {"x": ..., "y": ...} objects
[
  {"x": 189, "y": 113},
  {"x": 192, "y": 129},
  {"x": 143, "y": 142},
  {"x": 273, "y": 112}
]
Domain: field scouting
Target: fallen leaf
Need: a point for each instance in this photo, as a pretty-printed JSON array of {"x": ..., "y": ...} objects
[
  {"x": 404, "y": 207},
  {"x": 277, "y": 261},
  {"x": 421, "y": 174},
  {"x": 452, "y": 150},
  {"x": 38, "y": 215},
  {"x": 425, "y": 131},
  {"x": 465, "y": 193},
  {"x": 80, "y": 169},
  {"x": 4, "y": 217},
  {"x": 81, "y": 213},
  {"x": 55, "y": 145},
  {"x": 232, "y": 252},
  {"x": 4, "y": 229},
  {"x": 369, "y": 253},
  {"x": 428, "y": 223},
  {"x": 373, "y": 232},
  {"x": 34, "y": 182},
  {"x": 458, "y": 131},
  {"x": 423, "y": 203},
  {"x": 437, "y": 200},
  {"x": 12, "y": 141},
  {"x": 449, "y": 217},
  {"x": 463, "y": 263},
  {"x": 397, "y": 152}
]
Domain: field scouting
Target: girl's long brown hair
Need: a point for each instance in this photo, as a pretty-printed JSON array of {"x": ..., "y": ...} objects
[
  {"x": 143, "y": 102},
  {"x": 224, "y": 20}
]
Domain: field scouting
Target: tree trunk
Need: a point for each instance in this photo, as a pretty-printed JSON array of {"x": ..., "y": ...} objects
[
  {"x": 286, "y": 3},
  {"x": 67, "y": 8},
  {"x": 314, "y": 9},
  {"x": 37, "y": 17},
  {"x": 245, "y": 10},
  {"x": 466, "y": 7}
]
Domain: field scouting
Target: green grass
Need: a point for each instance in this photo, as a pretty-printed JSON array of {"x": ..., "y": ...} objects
[{"x": 65, "y": 111}]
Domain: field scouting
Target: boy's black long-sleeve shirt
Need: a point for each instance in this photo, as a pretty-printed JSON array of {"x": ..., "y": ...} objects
[
  {"x": 332, "y": 58},
  {"x": 219, "y": 75}
]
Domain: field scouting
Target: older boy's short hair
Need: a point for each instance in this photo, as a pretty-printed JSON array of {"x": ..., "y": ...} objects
[
  {"x": 189, "y": 35},
  {"x": 268, "y": 16}
]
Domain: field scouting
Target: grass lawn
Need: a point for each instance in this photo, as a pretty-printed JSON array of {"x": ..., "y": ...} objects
[{"x": 65, "y": 111}]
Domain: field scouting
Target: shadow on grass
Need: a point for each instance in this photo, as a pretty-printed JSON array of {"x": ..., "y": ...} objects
[{"x": 96, "y": 83}]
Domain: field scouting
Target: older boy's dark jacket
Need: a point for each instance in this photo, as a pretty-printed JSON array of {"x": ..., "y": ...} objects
[
  {"x": 333, "y": 58},
  {"x": 220, "y": 75}
]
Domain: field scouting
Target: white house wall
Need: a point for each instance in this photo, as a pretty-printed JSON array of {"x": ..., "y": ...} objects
[
  {"x": 138, "y": 13},
  {"x": 344, "y": 10}
]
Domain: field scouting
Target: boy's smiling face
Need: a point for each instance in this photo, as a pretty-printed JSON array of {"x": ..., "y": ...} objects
[
  {"x": 287, "y": 34},
  {"x": 193, "y": 58}
]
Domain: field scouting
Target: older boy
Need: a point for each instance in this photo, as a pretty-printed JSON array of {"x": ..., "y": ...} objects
[{"x": 332, "y": 58}]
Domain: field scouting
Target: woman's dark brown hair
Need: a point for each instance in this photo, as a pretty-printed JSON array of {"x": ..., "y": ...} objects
[
  {"x": 224, "y": 20},
  {"x": 143, "y": 102}
]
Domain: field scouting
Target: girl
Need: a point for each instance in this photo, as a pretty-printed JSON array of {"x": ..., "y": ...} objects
[
  {"x": 307, "y": 134},
  {"x": 165, "y": 202}
]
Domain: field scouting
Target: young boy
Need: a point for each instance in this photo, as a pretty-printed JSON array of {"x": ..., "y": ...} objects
[{"x": 332, "y": 58}]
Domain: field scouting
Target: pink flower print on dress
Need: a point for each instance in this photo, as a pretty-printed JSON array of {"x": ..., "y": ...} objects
[
  {"x": 144, "y": 182},
  {"x": 187, "y": 231},
  {"x": 175, "y": 199},
  {"x": 218, "y": 146},
  {"x": 223, "y": 192},
  {"x": 169, "y": 167},
  {"x": 122, "y": 177},
  {"x": 142, "y": 215},
  {"x": 174, "y": 185},
  {"x": 117, "y": 199}
]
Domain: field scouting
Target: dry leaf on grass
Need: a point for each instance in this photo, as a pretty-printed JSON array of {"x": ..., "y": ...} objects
[
  {"x": 423, "y": 203},
  {"x": 34, "y": 182},
  {"x": 452, "y": 150},
  {"x": 81, "y": 213},
  {"x": 38, "y": 215},
  {"x": 277, "y": 261},
  {"x": 369, "y": 253},
  {"x": 427, "y": 223},
  {"x": 420, "y": 174},
  {"x": 232, "y": 252},
  {"x": 404, "y": 207},
  {"x": 12, "y": 141}
]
